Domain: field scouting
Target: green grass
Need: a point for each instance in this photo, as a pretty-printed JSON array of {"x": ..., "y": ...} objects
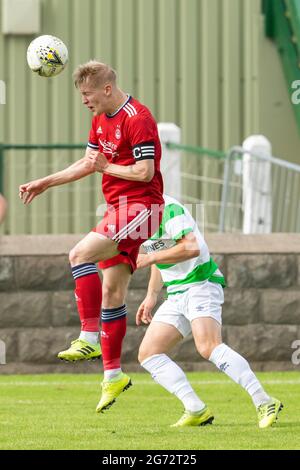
[{"x": 58, "y": 412}]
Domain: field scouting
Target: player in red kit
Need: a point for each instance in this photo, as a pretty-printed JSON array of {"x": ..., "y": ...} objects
[{"x": 124, "y": 146}]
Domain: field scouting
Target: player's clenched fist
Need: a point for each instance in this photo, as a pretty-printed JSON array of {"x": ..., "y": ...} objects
[{"x": 98, "y": 161}]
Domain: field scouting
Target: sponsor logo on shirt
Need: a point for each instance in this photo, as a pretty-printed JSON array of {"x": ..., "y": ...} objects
[
  {"x": 159, "y": 245},
  {"x": 109, "y": 148},
  {"x": 99, "y": 130}
]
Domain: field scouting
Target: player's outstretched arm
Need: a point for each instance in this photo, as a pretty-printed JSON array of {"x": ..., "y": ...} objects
[{"x": 76, "y": 171}]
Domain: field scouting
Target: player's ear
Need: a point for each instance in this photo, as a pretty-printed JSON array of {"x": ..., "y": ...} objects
[{"x": 108, "y": 89}]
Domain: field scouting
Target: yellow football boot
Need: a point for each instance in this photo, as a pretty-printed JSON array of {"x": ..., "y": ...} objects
[
  {"x": 268, "y": 413},
  {"x": 200, "y": 418},
  {"x": 80, "y": 350},
  {"x": 111, "y": 390}
]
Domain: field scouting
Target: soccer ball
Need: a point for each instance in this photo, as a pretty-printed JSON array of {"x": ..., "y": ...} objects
[{"x": 47, "y": 55}]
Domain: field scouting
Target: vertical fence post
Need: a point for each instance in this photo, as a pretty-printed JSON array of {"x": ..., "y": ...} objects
[
  {"x": 2, "y": 353},
  {"x": 170, "y": 162},
  {"x": 257, "y": 185},
  {"x": 1, "y": 167},
  {"x": 224, "y": 191}
]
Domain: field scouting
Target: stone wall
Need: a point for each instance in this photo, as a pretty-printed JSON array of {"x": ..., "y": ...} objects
[{"x": 261, "y": 313}]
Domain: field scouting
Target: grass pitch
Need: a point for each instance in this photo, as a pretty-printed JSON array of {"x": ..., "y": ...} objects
[{"x": 58, "y": 412}]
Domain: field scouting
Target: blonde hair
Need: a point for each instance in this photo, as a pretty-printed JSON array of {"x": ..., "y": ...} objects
[{"x": 94, "y": 72}]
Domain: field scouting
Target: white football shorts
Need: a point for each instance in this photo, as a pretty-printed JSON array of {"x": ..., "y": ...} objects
[{"x": 202, "y": 300}]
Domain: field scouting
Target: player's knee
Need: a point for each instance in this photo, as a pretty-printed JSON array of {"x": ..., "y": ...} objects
[
  {"x": 143, "y": 354},
  {"x": 206, "y": 348},
  {"x": 75, "y": 257},
  {"x": 112, "y": 295}
]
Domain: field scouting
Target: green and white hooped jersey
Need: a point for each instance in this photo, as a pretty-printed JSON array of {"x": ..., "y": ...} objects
[{"x": 177, "y": 222}]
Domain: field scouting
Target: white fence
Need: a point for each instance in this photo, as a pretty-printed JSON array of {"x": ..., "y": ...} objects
[
  {"x": 274, "y": 185},
  {"x": 246, "y": 190}
]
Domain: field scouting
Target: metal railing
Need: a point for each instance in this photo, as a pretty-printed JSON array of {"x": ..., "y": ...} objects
[
  {"x": 261, "y": 193},
  {"x": 214, "y": 179},
  {"x": 202, "y": 172},
  {"x": 72, "y": 208},
  {"x": 242, "y": 191}
]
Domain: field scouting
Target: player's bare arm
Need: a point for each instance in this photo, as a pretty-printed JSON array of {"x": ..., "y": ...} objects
[
  {"x": 76, "y": 171},
  {"x": 144, "y": 313},
  {"x": 140, "y": 171},
  {"x": 185, "y": 248}
]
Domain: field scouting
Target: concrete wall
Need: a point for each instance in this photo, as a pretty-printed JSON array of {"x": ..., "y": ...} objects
[{"x": 38, "y": 314}]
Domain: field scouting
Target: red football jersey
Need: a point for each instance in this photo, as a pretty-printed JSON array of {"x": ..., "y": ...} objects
[{"x": 125, "y": 137}]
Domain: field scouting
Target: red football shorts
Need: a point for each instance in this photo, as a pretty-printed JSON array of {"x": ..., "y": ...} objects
[{"x": 129, "y": 226}]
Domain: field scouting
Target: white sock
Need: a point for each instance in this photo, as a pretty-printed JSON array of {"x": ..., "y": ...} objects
[
  {"x": 238, "y": 369},
  {"x": 90, "y": 336},
  {"x": 169, "y": 375},
  {"x": 260, "y": 398},
  {"x": 111, "y": 373}
]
